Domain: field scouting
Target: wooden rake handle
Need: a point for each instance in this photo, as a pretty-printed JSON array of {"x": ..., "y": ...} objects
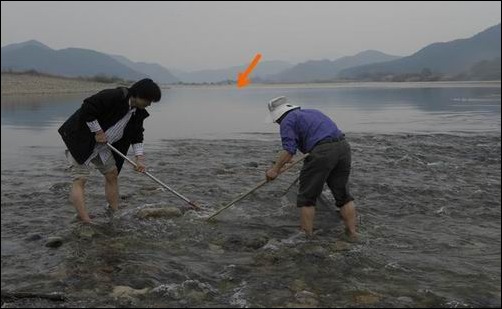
[{"x": 259, "y": 185}]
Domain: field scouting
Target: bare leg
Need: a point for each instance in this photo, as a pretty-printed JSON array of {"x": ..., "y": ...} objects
[
  {"x": 307, "y": 214},
  {"x": 77, "y": 198},
  {"x": 348, "y": 213},
  {"x": 112, "y": 189}
]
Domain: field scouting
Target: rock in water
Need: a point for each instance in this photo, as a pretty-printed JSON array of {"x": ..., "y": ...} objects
[
  {"x": 54, "y": 242},
  {"x": 127, "y": 292},
  {"x": 155, "y": 213}
]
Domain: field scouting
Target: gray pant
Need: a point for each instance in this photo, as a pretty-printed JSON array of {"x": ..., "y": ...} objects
[
  {"x": 327, "y": 163},
  {"x": 82, "y": 171}
]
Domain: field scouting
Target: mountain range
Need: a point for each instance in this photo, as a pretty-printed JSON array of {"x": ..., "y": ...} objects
[
  {"x": 476, "y": 57},
  {"x": 446, "y": 58}
]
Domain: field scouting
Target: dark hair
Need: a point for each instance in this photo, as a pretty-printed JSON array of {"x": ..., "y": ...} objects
[{"x": 145, "y": 89}]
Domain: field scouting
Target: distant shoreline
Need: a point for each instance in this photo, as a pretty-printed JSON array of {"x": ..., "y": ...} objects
[
  {"x": 20, "y": 84},
  {"x": 438, "y": 84},
  {"x": 28, "y": 84}
]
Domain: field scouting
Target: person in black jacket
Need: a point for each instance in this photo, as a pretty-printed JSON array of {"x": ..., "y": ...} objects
[{"x": 114, "y": 116}]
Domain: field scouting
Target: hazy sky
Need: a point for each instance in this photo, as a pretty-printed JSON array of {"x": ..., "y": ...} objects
[{"x": 206, "y": 35}]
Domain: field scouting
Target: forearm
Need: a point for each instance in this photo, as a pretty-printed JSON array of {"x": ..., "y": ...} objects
[
  {"x": 283, "y": 158},
  {"x": 140, "y": 159}
]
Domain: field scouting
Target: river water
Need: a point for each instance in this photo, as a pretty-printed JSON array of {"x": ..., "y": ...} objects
[{"x": 426, "y": 178}]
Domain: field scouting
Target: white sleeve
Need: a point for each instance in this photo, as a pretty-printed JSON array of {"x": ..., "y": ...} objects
[
  {"x": 138, "y": 149},
  {"x": 94, "y": 126}
]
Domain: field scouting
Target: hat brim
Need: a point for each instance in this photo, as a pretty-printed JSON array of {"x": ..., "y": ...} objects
[{"x": 281, "y": 110}]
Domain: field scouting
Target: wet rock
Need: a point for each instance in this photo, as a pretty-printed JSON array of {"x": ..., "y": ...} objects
[
  {"x": 233, "y": 242},
  {"x": 149, "y": 190},
  {"x": 229, "y": 166},
  {"x": 272, "y": 245},
  {"x": 405, "y": 300},
  {"x": 316, "y": 251},
  {"x": 191, "y": 291},
  {"x": 266, "y": 258},
  {"x": 229, "y": 273},
  {"x": 240, "y": 243},
  {"x": 238, "y": 299},
  {"x": 297, "y": 285},
  {"x": 54, "y": 242},
  {"x": 156, "y": 213},
  {"x": 251, "y": 164},
  {"x": 365, "y": 298},
  {"x": 223, "y": 171},
  {"x": 196, "y": 285},
  {"x": 216, "y": 248},
  {"x": 61, "y": 187},
  {"x": 196, "y": 292},
  {"x": 127, "y": 292},
  {"x": 126, "y": 196},
  {"x": 108, "y": 269},
  {"x": 173, "y": 291},
  {"x": 305, "y": 299},
  {"x": 33, "y": 237},
  {"x": 86, "y": 231},
  {"x": 441, "y": 211},
  {"x": 339, "y": 246},
  {"x": 256, "y": 243},
  {"x": 195, "y": 296}
]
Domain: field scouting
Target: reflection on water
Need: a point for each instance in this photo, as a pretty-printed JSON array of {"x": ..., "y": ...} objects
[
  {"x": 219, "y": 107},
  {"x": 222, "y": 112},
  {"x": 199, "y": 112},
  {"x": 37, "y": 111}
]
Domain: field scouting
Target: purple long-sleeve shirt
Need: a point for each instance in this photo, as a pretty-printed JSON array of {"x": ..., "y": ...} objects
[{"x": 302, "y": 129}]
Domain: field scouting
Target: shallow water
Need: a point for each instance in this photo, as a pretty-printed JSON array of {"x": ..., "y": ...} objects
[
  {"x": 429, "y": 219},
  {"x": 426, "y": 178}
]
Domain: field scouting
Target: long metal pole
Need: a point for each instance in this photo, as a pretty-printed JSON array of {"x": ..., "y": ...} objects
[
  {"x": 153, "y": 177},
  {"x": 260, "y": 184}
]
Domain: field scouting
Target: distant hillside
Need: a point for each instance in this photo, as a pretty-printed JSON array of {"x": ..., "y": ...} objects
[
  {"x": 70, "y": 62},
  {"x": 326, "y": 70},
  {"x": 446, "y": 59},
  {"x": 483, "y": 70},
  {"x": 153, "y": 70},
  {"x": 15, "y": 46},
  {"x": 213, "y": 76}
]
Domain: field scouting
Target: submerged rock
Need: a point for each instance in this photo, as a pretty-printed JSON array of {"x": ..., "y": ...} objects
[
  {"x": 156, "y": 213},
  {"x": 127, "y": 292},
  {"x": 33, "y": 237},
  {"x": 251, "y": 164},
  {"x": 244, "y": 243},
  {"x": 86, "y": 231},
  {"x": 297, "y": 285},
  {"x": 308, "y": 299},
  {"x": 149, "y": 190},
  {"x": 191, "y": 291},
  {"x": 54, "y": 242},
  {"x": 366, "y": 297}
]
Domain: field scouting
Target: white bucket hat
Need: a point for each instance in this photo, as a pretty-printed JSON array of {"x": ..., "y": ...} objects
[{"x": 278, "y": 107}]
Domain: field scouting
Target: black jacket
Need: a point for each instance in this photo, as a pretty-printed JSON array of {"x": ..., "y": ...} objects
[{"x": 108, "y": 107}]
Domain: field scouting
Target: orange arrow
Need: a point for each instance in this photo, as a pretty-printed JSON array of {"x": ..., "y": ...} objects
[{"x": 242, "y": 78}]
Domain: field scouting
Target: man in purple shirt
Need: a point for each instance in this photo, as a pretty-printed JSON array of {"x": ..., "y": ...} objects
[{"x": 329, "y": 160}]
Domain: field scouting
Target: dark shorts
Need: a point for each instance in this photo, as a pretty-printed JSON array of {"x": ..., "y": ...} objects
[{"x": 327, "y": 163}]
